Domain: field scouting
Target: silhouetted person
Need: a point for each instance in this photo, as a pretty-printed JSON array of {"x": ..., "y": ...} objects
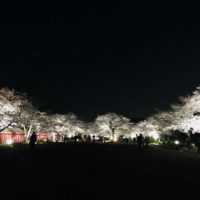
[
  {"x": 140, "y": 141},
  {"x": 85, "y": 138},
  {"x": 65, "y": 138},
  {"x": 134, "y": 140},
  {"x": 127, "y": 140},
  {"x": 146, "y": 141},
  {"x": 75, "y": 139},
  {"x": 89, "y": 139},
  {"x": 33, "y": 140},
  {"x": 93, "y": 138}
]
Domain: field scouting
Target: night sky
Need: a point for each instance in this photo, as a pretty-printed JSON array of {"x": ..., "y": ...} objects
[{"x": 93, "y": 57}]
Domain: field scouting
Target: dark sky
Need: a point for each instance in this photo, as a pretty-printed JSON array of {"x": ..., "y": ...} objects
[{"x": 91, "y": 57}]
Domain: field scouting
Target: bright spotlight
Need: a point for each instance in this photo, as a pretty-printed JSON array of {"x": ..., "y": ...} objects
[
  {"x": 177, "y": 142},
  {"x": 115, "y": 139}
]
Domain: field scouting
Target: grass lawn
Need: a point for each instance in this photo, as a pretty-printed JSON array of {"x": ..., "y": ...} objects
[{"x": 98, "y": 171}]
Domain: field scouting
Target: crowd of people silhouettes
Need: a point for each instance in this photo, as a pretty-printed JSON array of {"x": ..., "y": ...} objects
[{"x": 142, "y": 142}]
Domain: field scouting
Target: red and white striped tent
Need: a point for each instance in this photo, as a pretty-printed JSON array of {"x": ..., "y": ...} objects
[
  {"x": 42, "y": 136},
  {"x": 11, "y": 135},
  {"x": 16, "y": 135}
]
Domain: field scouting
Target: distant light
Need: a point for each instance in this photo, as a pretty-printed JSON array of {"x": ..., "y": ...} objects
[
  {"x": 9, "y": 142},
  {"x": 193, "y": 144},
  {"x": 115, "y": 139},
  {"x": 70, "y": 135},
  {"x": 177, "y": 142},
  {"x": 96, "y": 138}
]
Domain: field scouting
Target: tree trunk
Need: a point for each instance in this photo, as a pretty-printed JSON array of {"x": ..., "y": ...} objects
[
  {"x": 28, "y": 133},
  {"x": 112, "y": 135},
  {"x": 54, "y": 137},
  {"x": 25, "y": 132}
]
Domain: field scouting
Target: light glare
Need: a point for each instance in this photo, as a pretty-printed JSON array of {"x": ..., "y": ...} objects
[
  {"x": 9, "y": 142},
  {"x": 177, "y": 142}
]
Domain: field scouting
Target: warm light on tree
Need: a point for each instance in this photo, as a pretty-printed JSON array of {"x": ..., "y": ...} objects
[
  {"x": 16, "y": 109},
  {"x": 111, "y": 124}
]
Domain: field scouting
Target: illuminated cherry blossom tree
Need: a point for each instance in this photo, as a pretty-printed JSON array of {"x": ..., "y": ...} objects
[
  {"x": 149, "y": 127},
  {"x": 183, "y": 116},
  {"x": 187, "y": 113},
  {"x": 64, "y": 124},
  {"x": 110, "y": 124},
  {"x": 27, "y": 117},
  {"x": 92, "y": 129},
  {"x": 11, "y": 104},
  {"x": 16, "y": 109}
]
